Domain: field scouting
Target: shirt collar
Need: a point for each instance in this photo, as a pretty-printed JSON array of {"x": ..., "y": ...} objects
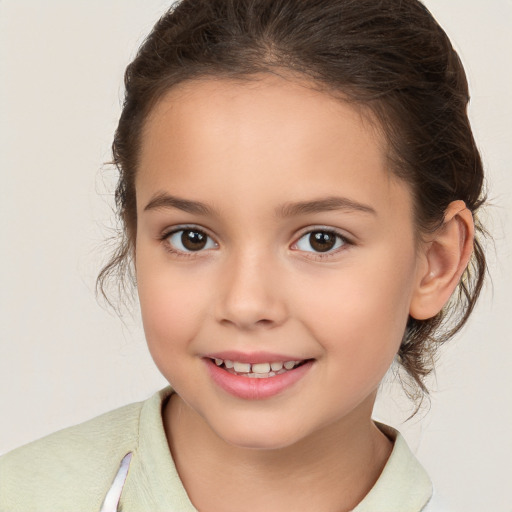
[{"x": 403, "y": 485}]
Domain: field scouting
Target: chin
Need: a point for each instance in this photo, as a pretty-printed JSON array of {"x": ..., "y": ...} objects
[
  {"x": 258, "y": 436},
  {"x": 257, "y": 442}
]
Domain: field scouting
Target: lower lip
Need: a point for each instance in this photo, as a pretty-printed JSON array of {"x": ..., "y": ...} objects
[{"x": 250, "y": 388}]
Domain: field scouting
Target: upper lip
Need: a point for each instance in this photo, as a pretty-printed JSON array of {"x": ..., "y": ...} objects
[{"x": 252, "y": 357}]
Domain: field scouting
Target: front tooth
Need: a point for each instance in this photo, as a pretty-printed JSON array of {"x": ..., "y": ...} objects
[
  {"x": 276, "y": 366},
  {"x": 228, "y": 363},
  {"x": 289, "y": 365},
  {"x": 242, "y": 367},
  {"x": 261, "y": 368},
  {"x": 218, "y": 362}
]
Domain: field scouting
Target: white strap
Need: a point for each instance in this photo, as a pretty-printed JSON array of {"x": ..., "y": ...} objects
[{"x": 114, "y": 493}]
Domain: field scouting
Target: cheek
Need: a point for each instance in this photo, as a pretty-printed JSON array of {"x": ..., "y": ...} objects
[
  {"x": 172, "y": 304},
  {"x": 359, "y": 312}
]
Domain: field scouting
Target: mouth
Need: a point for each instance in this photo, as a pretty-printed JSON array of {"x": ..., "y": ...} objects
[
  {"x": 256, "y": 377},
  {"x": 262, "y": 370}
]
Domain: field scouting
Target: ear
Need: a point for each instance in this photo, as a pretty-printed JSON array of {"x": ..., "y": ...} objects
[{"x": 446, "y": 256}]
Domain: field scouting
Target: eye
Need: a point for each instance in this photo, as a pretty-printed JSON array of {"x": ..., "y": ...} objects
[
  {"x": 189, "y": 240},
  {"x": 321, "y": 241}
]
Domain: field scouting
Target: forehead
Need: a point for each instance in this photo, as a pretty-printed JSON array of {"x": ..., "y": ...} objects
[
  {"x": 250, "y": 112},
  {"x": 263, "y": 137}
]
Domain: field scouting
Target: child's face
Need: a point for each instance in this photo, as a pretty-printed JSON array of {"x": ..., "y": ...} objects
[{"x": 254, "y": 285}]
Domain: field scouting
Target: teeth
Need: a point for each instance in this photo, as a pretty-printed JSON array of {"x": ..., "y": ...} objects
[
  {"x": 261, "y": 368},
  {"x": 257, "y": 370},
  {"x": 242, "y": 367}
]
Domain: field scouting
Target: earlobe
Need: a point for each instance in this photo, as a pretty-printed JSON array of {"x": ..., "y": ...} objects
[{"x": 446, "y": 256}]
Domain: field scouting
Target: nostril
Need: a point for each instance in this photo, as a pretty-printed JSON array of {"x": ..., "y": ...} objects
[{"x": 264, "y": 321}]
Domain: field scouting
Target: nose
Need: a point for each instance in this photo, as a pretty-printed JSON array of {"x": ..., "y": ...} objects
[{"x": 251, "y": 295}]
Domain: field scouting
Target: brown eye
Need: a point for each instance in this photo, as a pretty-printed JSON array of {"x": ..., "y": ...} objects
[
  {"x": 193, "y": 240},
  {"x": 320, "y": 241},
  {"x": 190, "y": 240}
]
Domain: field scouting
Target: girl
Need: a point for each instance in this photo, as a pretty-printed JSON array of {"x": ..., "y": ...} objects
[{"x": 299, "y": 188}]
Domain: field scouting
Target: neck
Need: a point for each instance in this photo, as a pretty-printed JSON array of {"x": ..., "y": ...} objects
[{"x": 333, "y": 468}]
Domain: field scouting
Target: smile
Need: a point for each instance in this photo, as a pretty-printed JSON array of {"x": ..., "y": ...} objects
[
  {"x": 256, "y": 380},
  {"x": 257, "y": 370}
]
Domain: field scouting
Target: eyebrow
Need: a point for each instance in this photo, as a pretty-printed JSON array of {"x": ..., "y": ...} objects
[
  {"x": 163, "y": 201},
  {"x": 321, "y": 205}
]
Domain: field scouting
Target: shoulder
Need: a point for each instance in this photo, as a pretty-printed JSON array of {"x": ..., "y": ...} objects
[{"x": 76, "y": 461}]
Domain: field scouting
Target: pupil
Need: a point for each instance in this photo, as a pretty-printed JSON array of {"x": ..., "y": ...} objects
[
  {"x": 193, "y": 240},
  {"x": 322, "y": 241}
]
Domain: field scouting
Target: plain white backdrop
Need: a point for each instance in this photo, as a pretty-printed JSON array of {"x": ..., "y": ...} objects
[{"x": 65, "y": 359}]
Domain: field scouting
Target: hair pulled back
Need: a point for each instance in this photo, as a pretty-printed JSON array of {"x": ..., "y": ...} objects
[{"x": 389, "y": 56}]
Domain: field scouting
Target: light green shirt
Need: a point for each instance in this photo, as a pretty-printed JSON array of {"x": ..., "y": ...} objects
[{"x": 73, "y": 470}]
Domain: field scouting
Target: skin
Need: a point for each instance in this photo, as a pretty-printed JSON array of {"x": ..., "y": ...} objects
[{"x": 244, "y": 150}]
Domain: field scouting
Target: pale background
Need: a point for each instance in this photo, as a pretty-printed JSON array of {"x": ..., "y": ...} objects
[{"x": 65, "y": 359}]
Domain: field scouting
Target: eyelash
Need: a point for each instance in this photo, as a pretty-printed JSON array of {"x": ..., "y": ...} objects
[{"x": 316, "y": 255}]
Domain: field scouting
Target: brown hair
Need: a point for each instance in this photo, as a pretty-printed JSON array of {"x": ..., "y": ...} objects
[{"x": 389, "y": 56}]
